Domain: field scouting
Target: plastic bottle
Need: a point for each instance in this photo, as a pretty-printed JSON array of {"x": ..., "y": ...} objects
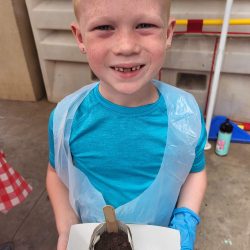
[{"x": 224, "y": 138}]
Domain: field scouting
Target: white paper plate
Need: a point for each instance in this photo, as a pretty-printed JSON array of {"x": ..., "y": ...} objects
[{"x": 145, "y": 237}]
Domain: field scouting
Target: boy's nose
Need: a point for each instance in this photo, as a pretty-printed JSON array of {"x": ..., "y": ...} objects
[{"x": 126, "y": 44}]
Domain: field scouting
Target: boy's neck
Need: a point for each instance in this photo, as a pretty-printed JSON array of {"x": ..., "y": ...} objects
[{"x": 145, "y": 96}]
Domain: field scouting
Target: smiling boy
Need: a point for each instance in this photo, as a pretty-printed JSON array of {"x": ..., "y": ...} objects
[
  {"x": 116, "y": 54},
  {"x": 128, "y": 140}
]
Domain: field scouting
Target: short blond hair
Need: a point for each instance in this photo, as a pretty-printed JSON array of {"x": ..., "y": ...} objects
[
  {"x": 75, "y": 5},
  {"x": 167, "y": 4}
]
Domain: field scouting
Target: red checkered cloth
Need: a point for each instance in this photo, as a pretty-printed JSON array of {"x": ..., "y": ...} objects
[{"x": 13, "y": 188}]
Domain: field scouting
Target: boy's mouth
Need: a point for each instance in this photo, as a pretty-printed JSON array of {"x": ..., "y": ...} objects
[{"x": 127, "y": 69}]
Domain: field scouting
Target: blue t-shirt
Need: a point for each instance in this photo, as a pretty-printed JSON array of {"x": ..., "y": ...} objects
[{"x": 120, "y": 149}]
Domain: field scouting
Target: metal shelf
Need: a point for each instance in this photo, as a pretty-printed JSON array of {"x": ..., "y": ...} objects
[
  {"x": 65, "y": 69},
  {"x": 53, "y": 15},
  {"x": 61, "y": 46}
]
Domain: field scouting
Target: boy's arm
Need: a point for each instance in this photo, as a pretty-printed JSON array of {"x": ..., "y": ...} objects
[
  {"x": 193, "y": 191},
  {"x": 185, "y": 216},
  {"x": 64, "y": 213}
]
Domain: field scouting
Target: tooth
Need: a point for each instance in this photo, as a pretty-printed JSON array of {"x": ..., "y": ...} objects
[
  {"x": 138, "y": 67},
  {"x": 134, "y": 68},
  {"x": 121, "y": 69},
  {"x": 116, "y": 69}
]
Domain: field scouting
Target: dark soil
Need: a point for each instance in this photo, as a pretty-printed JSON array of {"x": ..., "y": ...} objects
[{"x": 113, "y": 241}]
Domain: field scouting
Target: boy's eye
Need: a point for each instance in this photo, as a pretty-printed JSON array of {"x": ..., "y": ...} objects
[
  {"x": 145, "y": 26},
  {"x": 104, "y": 27}
]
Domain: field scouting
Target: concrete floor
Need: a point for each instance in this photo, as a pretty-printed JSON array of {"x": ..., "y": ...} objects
[{"x": 225, "y": 212}]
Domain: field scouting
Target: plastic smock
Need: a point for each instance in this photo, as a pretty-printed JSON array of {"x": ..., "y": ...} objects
[{"x": 156, "y": 204}]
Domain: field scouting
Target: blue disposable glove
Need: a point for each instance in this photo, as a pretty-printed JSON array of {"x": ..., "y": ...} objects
[{"x": 185, "y": 220}]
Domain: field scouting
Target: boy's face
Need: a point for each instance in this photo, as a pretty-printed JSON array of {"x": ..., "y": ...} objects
[{"x": 125, "y": 42}]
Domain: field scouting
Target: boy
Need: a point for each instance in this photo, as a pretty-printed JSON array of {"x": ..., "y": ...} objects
[{"x": 128, "y": 141}]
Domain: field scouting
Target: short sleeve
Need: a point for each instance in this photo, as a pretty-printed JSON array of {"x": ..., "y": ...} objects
[
  {"x": 200, "y": 161},
  {"x": 51, "y": 140}
]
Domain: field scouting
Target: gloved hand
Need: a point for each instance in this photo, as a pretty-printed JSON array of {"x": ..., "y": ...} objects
[{"x": 185, "y": 220}]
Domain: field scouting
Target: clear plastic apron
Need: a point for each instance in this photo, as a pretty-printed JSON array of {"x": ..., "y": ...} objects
[{"x": 155, "y": 205}]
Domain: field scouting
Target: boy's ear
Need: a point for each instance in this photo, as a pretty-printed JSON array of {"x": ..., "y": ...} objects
[
  {"x": 78, "y": 36},
  {"x": 170, "y": 32}
]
